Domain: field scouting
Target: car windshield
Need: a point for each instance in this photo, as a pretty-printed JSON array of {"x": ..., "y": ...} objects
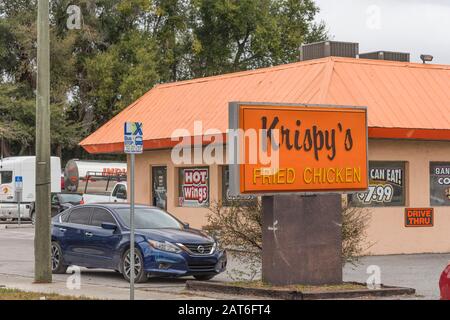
[
  {"x": 149, "y": 218},
  {"x": 71, "y": 198}
]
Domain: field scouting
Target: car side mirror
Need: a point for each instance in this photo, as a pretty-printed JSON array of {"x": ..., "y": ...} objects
[
  {"x": 186, "y": 225},
  {"x": 109, "y": 226}
]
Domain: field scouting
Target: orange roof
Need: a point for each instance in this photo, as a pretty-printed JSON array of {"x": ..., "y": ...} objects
[{"x": 404, "y": 100}]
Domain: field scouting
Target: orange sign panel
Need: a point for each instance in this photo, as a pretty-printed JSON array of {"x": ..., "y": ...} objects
[
  {"x": 419, "y": 217},
  {"x": 298, "y": 148}
]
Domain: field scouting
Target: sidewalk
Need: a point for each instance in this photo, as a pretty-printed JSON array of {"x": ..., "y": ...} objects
[{"x": 102, "y": 292}]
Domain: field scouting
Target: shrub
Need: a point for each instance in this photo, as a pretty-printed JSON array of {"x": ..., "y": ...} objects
[{"x": 238, "y": 227}]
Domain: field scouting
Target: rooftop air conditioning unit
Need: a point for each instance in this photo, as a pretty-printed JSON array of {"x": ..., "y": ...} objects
[
  {"x": 386, "y": 55},
  {"x": 327, "y": 49}
]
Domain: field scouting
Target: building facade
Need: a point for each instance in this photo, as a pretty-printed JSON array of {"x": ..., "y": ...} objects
[{"x": 409, "y": 141}]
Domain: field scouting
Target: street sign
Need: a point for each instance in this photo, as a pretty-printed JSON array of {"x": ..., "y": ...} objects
[
  {"x": 18, "y": 183},
  {"x": 133, "y": 144},
  {"x": 133, "y": 138}
]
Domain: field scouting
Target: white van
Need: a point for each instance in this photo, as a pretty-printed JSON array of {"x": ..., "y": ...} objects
[{"x": 25, "y": 167}]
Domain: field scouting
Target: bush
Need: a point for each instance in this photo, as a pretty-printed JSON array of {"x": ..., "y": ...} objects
[
  {"x": 355, "y": 222},
  {"x": 238, "y": 227}
]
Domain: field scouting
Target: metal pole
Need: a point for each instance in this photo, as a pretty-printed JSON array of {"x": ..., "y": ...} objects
[
  {"x": 42, "y": 240},
  {"x": 132, "y": 156},
  {"x": 18, "y": 207}
]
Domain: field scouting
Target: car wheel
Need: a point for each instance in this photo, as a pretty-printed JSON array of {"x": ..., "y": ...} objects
[
  {"x": 33, "y": 218},
  {"x": 139, "y": 274},
  {"x": 204, "y": 277},
  {"x": 58, "y": 265}
]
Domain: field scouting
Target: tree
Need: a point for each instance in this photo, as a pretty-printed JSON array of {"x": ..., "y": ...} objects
[
  {"x": 125, "y": 47},
  {"x": 240, "y": 35},
  {"x": 121, "y": 75}
]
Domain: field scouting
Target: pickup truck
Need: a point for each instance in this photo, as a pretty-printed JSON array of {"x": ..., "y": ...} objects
[{"x": 118, "y": 194}]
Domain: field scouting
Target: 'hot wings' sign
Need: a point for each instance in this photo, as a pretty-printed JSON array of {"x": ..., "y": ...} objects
[{"x": 297, "y": 148}]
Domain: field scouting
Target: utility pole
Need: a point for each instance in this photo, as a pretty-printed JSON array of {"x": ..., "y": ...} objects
[{"x": 42, "y": 239}]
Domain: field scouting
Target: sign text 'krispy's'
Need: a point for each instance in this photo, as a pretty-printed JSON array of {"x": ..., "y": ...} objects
[{"x": 287, "y": 148}]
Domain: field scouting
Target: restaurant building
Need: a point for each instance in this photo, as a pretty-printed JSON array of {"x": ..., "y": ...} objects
[{"x": 409, "y": 141}]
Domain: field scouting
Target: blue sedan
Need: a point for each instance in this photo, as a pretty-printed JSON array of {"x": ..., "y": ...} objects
[{"x": 98, "y": 236}]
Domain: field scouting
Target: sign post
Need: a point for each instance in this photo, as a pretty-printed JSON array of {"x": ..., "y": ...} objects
[
  {"x": 133, "y": 144},
  {"x": 300, "y": 159},
  {"x": 19, "y": 190}
]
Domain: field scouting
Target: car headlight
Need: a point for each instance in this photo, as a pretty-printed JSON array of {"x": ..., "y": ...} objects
[{"x": 164, "y": 246}]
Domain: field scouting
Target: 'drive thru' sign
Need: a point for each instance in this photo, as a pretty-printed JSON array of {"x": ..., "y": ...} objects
[
  {"x": 299, "y": 148},
  {"x": 419, "y": 217}
]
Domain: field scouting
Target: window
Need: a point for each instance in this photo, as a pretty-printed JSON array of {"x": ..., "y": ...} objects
[
  {"x": 73, "y": 198},
  {"x": 6, "y": 177},
  {"x": 80, "y": 215},
  {"x": 101, "y": 216},
  {"x": 55, "y": 198},
  {"x": 386, "y": 186},
  {"x": 227, "y": 198},
  {"x": 149, "y": 218},
  {"x": 65, "y": 216},
  {"x": 120, "y": 190},
  {"x": 193, "y": 190},
  {"x": 440, "y": 183}
]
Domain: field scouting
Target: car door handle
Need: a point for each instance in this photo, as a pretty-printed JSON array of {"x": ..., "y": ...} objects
[
  {"x": 62, "y": 229},
  {"x": 88, "y": 234}
]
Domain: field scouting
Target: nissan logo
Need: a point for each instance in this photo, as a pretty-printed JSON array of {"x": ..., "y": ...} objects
[{"x": 201, "y": 249}]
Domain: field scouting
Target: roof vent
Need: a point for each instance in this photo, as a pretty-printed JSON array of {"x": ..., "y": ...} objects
[
  {"x": 386, "y": 55},
  {"x": 328, "y": 48}
]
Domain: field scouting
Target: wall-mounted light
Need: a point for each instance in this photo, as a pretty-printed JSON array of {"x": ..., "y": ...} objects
[{"x": 426, "y": 58}]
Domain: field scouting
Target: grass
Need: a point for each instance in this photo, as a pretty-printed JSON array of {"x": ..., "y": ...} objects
[
  {"x": 302, "y": 288},
  {"x": 14, "y": 294}
]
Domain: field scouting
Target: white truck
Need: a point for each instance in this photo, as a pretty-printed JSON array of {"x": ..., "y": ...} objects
[
  {"x": 24, "y": 167},
  {"x": 93, "y": 176},
  {"x": 98, "y": 181},
  {"x": 118, "y": 194}
]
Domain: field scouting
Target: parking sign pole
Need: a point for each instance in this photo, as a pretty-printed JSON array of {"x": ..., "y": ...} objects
[
  {"x": 133, "y": 143},
  {"x": 18, "y": 192},
  {"x": 18, "y": 206},
  {"x": 132, "y": 156}
]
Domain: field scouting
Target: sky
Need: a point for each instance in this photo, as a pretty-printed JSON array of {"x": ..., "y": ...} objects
[{"x": 414, "y": 26}]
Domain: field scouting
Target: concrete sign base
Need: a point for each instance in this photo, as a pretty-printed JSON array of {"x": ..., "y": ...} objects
[{"x": 302, "y": 239}]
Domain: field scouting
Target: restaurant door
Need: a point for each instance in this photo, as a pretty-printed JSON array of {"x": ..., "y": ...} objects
[{"x": 159, "y": 187}]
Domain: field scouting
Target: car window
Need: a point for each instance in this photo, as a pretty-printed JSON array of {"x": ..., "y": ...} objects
[
  {"x": 120, "y": 189},
  {"x": 65, "y": 216},
  {"x": 149, "y": 218},
  {"x": 101, "y": 216},
  {"x": 80, "y": 215},
  {"x": 54, "y": 199},
  {"x": 6, "y": 177},
  {"x": 73, "y": 198}
]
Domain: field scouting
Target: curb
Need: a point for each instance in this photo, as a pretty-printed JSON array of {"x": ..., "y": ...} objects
[
  {"x": 22, "y": 226},
  {"x": 384, "y": 291}
]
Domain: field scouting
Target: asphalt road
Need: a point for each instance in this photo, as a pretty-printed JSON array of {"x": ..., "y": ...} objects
[
  {"x": 417, "y": 271},
  {"x": 17, "y": 259}
]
